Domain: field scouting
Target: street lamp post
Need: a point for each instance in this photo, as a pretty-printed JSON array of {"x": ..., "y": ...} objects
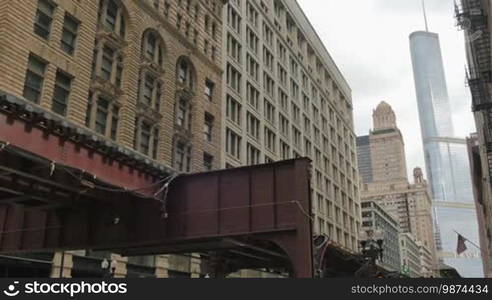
[{"x": 371, "y": 242}]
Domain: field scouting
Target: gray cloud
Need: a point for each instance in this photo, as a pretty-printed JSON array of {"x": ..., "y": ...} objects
[{"x": 433, "y": 7}]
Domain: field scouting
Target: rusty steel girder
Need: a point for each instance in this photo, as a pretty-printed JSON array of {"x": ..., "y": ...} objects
[{"x": 259, "y": 214}]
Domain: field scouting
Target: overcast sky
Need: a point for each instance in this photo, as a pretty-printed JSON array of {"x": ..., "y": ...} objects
[{"x": 368, "y": 39}]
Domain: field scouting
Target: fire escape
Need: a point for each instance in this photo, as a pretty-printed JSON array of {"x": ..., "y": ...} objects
[{"x": 472, "y": 18}]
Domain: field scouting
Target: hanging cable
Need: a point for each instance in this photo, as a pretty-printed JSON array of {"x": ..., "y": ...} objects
[
  {"x": 3, "y": 145},
  {"x": 165, "y": 190}
]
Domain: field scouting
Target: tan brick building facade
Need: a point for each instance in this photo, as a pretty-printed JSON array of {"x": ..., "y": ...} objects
[
  {"x": 387, "y": 147},
  {"x": 146, "y": 75}
]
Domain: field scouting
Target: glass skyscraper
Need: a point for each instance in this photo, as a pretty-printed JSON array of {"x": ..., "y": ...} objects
[{"x": 446, "y": 158}]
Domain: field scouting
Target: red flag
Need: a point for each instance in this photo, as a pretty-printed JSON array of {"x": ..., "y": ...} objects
[{"x": 461, "y": 247}]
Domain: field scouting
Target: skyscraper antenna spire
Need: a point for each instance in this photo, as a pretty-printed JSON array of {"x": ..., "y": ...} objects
[{"x": 425, "y": 16}]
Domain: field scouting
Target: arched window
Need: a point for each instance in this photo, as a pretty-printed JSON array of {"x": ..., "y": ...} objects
[
  {"x": 153, "y": 47},
  {"x": 111, "y": 16}
]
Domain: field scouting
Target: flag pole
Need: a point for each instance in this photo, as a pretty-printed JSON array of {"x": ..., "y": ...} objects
[{"x": 478, "y": 247}]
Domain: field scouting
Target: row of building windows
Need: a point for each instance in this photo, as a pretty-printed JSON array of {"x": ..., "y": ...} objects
[
  {"x": 253, "y": 42},
  {"x": 103, "y": 108},
  {"x": 310, "y": 122},
  {"x": 345, "y": 160},
  {"x": 43, "y": 23},
  {"x": 291, "y": 107}
]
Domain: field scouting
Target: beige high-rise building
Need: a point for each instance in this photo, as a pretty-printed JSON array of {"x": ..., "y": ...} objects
[
  {"x": 284, "y": 97},
  {"x": 387, "y": 147},
  {"x": 143, "y": 74},
  {"x": 382, "y": 155}
]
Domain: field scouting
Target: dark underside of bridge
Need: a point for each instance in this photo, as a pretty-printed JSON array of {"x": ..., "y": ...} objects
[{"x": 62, "y": 188}]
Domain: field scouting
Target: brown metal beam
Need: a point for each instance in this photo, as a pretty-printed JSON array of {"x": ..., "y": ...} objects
[{"x": 259, "y": 212}]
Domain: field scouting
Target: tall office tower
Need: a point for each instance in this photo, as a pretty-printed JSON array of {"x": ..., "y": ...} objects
[
  {"x": 387, "y": 147},
  {"x": 381, "y": 154},
  {"x": 474, "y": 19},
  {"x": 284, "y": 97},
  {"x": 143, "y": 76},
  {"x": 445, "y": 157}
]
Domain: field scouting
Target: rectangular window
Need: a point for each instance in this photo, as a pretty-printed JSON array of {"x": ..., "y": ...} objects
[
  {"x": 252, "y": 14},
  {"x": 268, "y": 59},
  {"x": 107, "y": 63},
  {"x": 296, "y": 114},
  {"x": 233, "y": 78},
  {"x": 102, "y": 111},
  {"x": 284, "y": 150},
  {"x": 270, "y": 140},
  {"x": 145, "y": 137},
  {"x": 252, "y": 67},
  {"x": 282, "y": 73},
  {"x": 307, "y": 125},
  {"x": 294, "y": 90},
  {"x": 253, "y": 126},
  {"x": 233, "y": 48},
  {"x": 284, "y": 100},
  {"x": 61, "y": 94},
  {"x": 114, "y": 123},
  {"x": 269, "y": 111},
  {"x": 284, "y": 125},
  {"x": 155, "y": 144},
  {"x": 294, "y": 68},
  {"x": 268, "y": 85},
  {"x": 44, "y": 18},
  {"x": 69, "y": 34},
  {"x": 233, "y": 144},
  {"x": 33, "y": 84},
  {"x": 182, "y": 114},
  {"x": 282, "y": 52},
  {"x": 148, "y": 90},
  {"x": 209, "y": 90},
  {"x": 208, "y": 127},
  {"x": 267, "y": 34},
  {"x": 297, "y": 137},
  {"x": 252, "y": 40},
  {"x": 253, "y": 95},
  {"x": 233, "y": 19},
  {"x": 182, "y": 157},
  {"x": 307, "y": 148},
  {"x": 253, "y": 155},
  {"x": 233, "y": 110},
  {"x": 208, "y": 161}
]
